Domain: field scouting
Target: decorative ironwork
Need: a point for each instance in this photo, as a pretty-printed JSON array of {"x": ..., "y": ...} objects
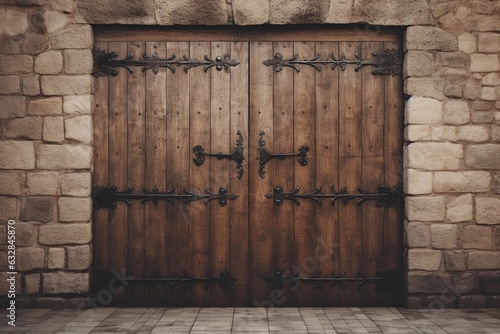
[
  {"x": 384, "y": 197},
  {"x": 237, "y": 155},
  {"x": 384, "y": 279},
  {"x": 265, "y": 155},
  {"x": 224, "y": 279},
  {"x": 106, "y": 197},
  {"x": 105, "y": 63},
  {"x": 386, "y": 62}
]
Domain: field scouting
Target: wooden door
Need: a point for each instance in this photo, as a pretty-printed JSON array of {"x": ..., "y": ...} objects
[{"x": 225, "y": 219}]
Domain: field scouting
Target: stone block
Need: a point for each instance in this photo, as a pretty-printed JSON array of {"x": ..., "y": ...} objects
[
  {"x": 444, "y": 236},
  {"x": 75, "y": 209},
  {"x": 429, "y": 38},
  {"x": 67, "y": 85},
  {"x": 34, "y": 44},
  {"x": 66, "y": 6},
  {"x": 424, "y": 87},
  {"x": 199, "y": 13},
  {"x": 484, "y": 63},
  {"x": 482, "y": 117},
  {"x": 23, "y": 128},
  {"x": 483, "y": 106},
  {"x": 421, "y": 110},
  {"x": 472, "y": 89},
  {"x": 456, "y": 112},
  {"x": 496, "y": 183},
  {"x": 50, "y": 62},
  {"x": 496, "y": 237},
  {"x": 453, "y": 59},
  {"x": 489, "y": 93},
  {"x": 459, "y": 209},
  {"x": 56, "y": 258},
  {"x": 462, "y": 182},
  {"x": 9, "y": 208},
  {"x": 417, "y": 182},
  {"x": 10, "y": 84},
  {"x": 465, "y": 283},
  {"x": 16, "y": 64},
  {"x": 422, "y": 282},
  {"x": 485, "y": 156},
  {"x": 46, "y": 107},
  {"x": 15, "y": 21},
  {"x": 495, "y": 133},
  {"x": 424, "y": 259},
  {"x": 55, "y": 20},
  {"x": 31, "y": 85},
  {"x": 451, "y": 23},
  {"x": 65, "y": 234},
  {"x": 483, "y": 260},
  {"x": 418, "y": 64},
  {"x": 473, "y": 133},
  {"x": 116, "y": 11},
  {"x": 76, "y": 184},
  {"x": 476, "y": 237},
  {"x": 79, "y": 257},
  {"x": 29, "y": 258},
  {"x": 37, "y": 209},
  {"x": 79, "y": 128},
  {"x": 62, "y": 282},
  {"x": 10, "y": 183},
  {"x": 25, "y": 234},
  {"x": 12, "y": 106},
  {"x": 31, "y": 284},
  {"x": 489, "y": 282},
  {"x": 17, "y": 155},
  {"x": 467, "y": 43},
  {"x": 434, "y": 156},
  {"x": 454, "y": 260},
  {"x": 251, "y": 12},
  {"x": 488, "y": 211},
  {"x": 78, "y": 105},
  {"x": 78, "y": 61},
  {"x": 489, "y": 42},
  {"x": 73, "y": 37},
  {"x": 425, "y": 208},
  {"x": 43, "y": 183},
  {"x": 418, "y": 234},
  {"x": 64, "y": 156},
  {"x": 491, "y": 79},
  {"x": 53, "y": 129},
  {"x": 417, "y": 132}
]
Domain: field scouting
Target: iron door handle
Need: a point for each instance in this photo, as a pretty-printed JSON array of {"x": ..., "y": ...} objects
[{"x": 265, "y": 155}]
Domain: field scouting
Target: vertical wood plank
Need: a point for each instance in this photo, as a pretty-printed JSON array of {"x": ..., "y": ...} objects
[{"x": 350, "y": 172}]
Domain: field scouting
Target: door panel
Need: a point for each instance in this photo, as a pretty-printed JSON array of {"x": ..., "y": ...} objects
[{"x": 202, "y": 250}]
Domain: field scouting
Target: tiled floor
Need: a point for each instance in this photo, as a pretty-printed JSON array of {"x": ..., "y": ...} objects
[{"x": 254, "y": 320}]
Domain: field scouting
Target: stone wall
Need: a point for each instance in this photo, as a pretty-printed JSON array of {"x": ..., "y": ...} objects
[{"x": 452, "y": 156}]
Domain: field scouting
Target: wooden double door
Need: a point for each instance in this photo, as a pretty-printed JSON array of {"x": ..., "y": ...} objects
[{"x": 255, "y": 159}]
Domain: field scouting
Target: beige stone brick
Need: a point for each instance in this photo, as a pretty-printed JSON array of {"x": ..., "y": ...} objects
[
  {"x": 42, "y": 183},
  {"x": 473, "y": 133},
  {"x": 453, "y": 59},
  {"x": 79, "y": 257},
  {"x": 66, "y": 6},
  {"x": 34, "y": 44},
  {"x": 424, "y": 87},
  {"x": 9, "y": 208},
  {"x": 78, "y": 61},
  {"x": 53, "y": 129},
  {"x": 483, "y": 117},
  {"x": 65, "y": 234},
  {"x": 64, "y": 156},
  {"x": 425, "y": 208},
  {"x": 440, "y": 133},
  {"x": 496, "y": 237},
  {"x": 12, "y": 106},
  {"x": 472, "y": 90},
  {"x": 476, "y": 237},
  {"x": 483, "y": 106},
  {"x": 46, "y": 107},
  {"x": 50, "y": 62},
  {"x": 434, "y": 156},
  {"x": 456, "y": 112},
  {"x": 74, "y": 37},
  {"x": 454, "y": 260},
  {"x": 10, "y": 183},
  {"x": 453, "y": 91},
  {"x": 37, "y": 209},
  {"x": 78, "y": 105},
  {"x": 31, "y": 284},
  {"x": 489, "y": 93},
  {"x": 67, "y": 85},
  {"x": 10, "y": 84},
  {"x": 23, "y": 128},
  {"x": 76, "y": 184},
  {"x": 79, "y": 128},
  {"x": 484, "y": 63},
  {"x": 491, "y": 79},
  {"x": 454, "y": 74},
  {"x": 31, "y": 85},
  {"x": 25, "y": 234},
  {"x": 75, "y": 209},
  {"x": 62, "y": 282},
  {"x": 418, "y": 64},
  {"x": 424, "y": 259},
  {"x": 417, "y": 132},
  {"x": 17, "y": 155},
  {"x": 29, "y": 258},
  {"x": 444, "y": 236},
  {"x": 15, "y": 21},
  {"x": 467, "y": 42},
  {"x": 495, "y": 133},
  {"x": 16, "y": 64},
  {"x": 418, "y": 234},
  {"x": 459, "y": 209},
  {"x": 251, "y": 12},
  {"x": 489, "y": 42},
  {"x": 462, "y": 182},
  {"x": 451, "y": 23},
  {"x": 422, "y": 110},
  {"x": 56, "y": 258},
  {"x": 487, "y": 211},
  {"x": 483, "y": 260},
  {"x": 55, "y": 20},
  {"x": 484, "y": 156},
  {"x": 417, "y": 182},
  {"x": 430, "y": 39}
]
